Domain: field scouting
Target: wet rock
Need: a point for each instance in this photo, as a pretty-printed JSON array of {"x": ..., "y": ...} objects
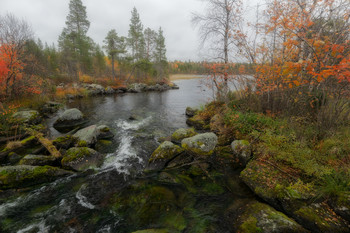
[
  {"x": 200, "y": 144},
  {"x": 104, "y": 146},
  {"x": 182, "y": 133},
  {"x": 153, "y": 231},
  {"x": 259, "y": 217},
  {"x": 341, "y": 205},
  {"x": 87, "y": 136},
  {"x": 104, "y": 132},
  {"x": 174, "y": 86},
  {"x": 166, "y": 151},
  {"x": 197, "y": 122},
  {"x": 50, "y": 108},
  {"x": 69, "y": 120},
  {"x": 120, "y": 89},
  {"x": 190, "y": 112},
  {"x": 64, "y": 142},
  {"x": 242, "y": 150},
  {"x": 81, "y": 158},
  {"x": 31, "y": 117},
  {"x": 95, "y": 89},
  {"x": 22, "y": 176},
  {"x": 38, "y": 160},
  {"x": 14, "y": 158}
]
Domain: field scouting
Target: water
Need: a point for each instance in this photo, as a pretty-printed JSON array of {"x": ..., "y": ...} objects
[{"x": 56, "y": 207}]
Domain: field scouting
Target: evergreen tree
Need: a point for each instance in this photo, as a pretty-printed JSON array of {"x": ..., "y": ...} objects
[
  {"x": 114, "y": 45},
  {"x": 160, "y": 50},
  {"x": 75, "y": 45},
  {"x": 150, "y": 41},
  {"x": 136, "y": 39}
]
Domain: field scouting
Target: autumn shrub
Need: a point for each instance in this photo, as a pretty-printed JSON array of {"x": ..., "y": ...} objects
[
  {"x": 334, "y": 184},
  {"x": 6, "y": 111}
]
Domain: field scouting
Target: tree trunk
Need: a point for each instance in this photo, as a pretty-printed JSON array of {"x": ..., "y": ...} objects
[{"x": 113, "y": 75}]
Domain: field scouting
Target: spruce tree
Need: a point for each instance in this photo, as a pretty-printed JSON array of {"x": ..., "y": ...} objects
[
  {"x": 160, "y": 50},
  {"x": 114, "y": 45},
  {"x": 150, "y": 41},
  {"x": 136, "y": 39}
]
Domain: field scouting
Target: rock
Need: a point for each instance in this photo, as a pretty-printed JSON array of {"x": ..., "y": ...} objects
[
  {"x": 87, "y": 136},
  {"x": 200, "y": 144},
  {"x": 104, "y": 132},
  {"x": 81, "y": 158},
  {"x": 49, "y": 108},
  {"x": 137, "y": 87},
  {"x": 69, "y": 120},
  {"x": 104, "y": 146},
  {"x": 341, "y": 205},
  {"x": 95, "y": 89},
  {"x": 38, "y": 160},
  {"x": 190, "y": 112},
  {"x": 293, "y": 196},
  {"x": 153, "y": 231},
  {"x": 174, "y": 86},
  {"x": 242, "y": 150},
  {"x": 64, "y": 142},
  {"x": 31, "y": 117},
  {"x": 197, "y": 122},
  {"x": 259, "y": 217},
  {"x": 109, "y": 90},
  {"x": 14, "y": 158},
  {"x": 120, "y": 89},
  {"x": 182, "y": 133},
  {"x": 167, "y": 150},
  {"x": 22, "y": 176}
]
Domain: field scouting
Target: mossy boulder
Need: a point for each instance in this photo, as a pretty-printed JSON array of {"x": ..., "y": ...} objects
[
  {"x": 182, "y": 133},
  {"x": 81, "y": 158},
  {"x": 190, "y": 112},
  {"x": 31, "y": 117},
  {"x": 22, "y": 176},
  {"x": 200, "y": 144},
  {"x": 225, "y": 159},
  {"x": 87, "y": 136},
  {"x": 64, "y": 142},
  {"x": 242, "y": 150},
  {"x": 259, "y": 217},
  {"x": 49, "y": 108},
  {"x": 14, "y": 158},
  {"x": 321, "y": 218},
  {"x": 69, "y": 119},
  {"x": 104, "y": 146},
  {"x": 341, "y": 205},
  {"x": 198, "y": 123},
  {"x": 166, "y": 151},
  {"x": 153, "y": 231},
  {"x": 104, "y": 132},
  {"x": 38, "y": 160}
]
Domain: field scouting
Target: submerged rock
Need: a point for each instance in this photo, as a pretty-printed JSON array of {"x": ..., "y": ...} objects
[
  {"x": 69, "y": 120},
  {"x": 104, "y": 132},
  {"x": 182, "y": 133},
  {"x": 31, "y": 117},
  {"x": 242, "y": 150},
  {"x": 81, "y": 158},
  {"x": 24, "y": 176},
  {"x": 201, "y": 144},
  {"x": 38, "y": 160},
  {"x": 166, "y": 151}
]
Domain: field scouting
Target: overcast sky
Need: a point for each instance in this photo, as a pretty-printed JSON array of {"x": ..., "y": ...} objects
[{"x": 47, "y": 18}]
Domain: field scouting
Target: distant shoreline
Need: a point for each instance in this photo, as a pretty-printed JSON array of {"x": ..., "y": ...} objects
[{"x": 174, "y": 77}]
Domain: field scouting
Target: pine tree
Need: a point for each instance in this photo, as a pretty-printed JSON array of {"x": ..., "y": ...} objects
[
  {"x": 160, "y": 50},
  {"x": 150, "y": 41},
  {"x": 75, "y": 45},
  {"x": 114, "y": 46},
  {"x": 136, "y": 39}
]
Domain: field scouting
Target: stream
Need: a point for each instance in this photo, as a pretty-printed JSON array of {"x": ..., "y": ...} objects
[{"x": 79, "y": 203}]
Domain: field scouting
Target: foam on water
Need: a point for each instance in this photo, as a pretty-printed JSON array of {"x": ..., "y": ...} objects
[
  {"x": 41, "y": 227},
  {"x": 133, "y": 125},
  {"x": 82, "y": 200}
]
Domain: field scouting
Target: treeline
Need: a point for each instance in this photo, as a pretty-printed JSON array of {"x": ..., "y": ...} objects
[
  {"x": 29, "y": 66},
  {"x": 203, "y": 67}
]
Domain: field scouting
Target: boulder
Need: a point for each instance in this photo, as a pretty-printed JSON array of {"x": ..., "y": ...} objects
[
  {"x": 182, "y": 133},
  {"x": 38, "y": 160},
  {"x": 242, "y": 150},
  {"x": 174, "y": 86},
  {"x": 49, "y": 108},
  {"x": 197, "y": 122},
  {"x": 137, "y": 87},
  {"x": 22, "y": 176},
  {"x": 105, "y": 146},
  {"x": 104, "y": 132},
  {"x": 167, "y": 150},
  {"x": 31, "y": 117},
  {"x": 81, "y": 158},
  {"x": 64, "y": 142},
  {"x": 109, "y": 90},
  {"x": 259, "y": 217},
  {"x": 87, "y": 136},
  {"x": 69, "y": 120},
  {"x": 200, "y": 144},
  {"x": 190, "y": 112},
  {"x": 341, "y": 205},
  {"x": 95, "y": 89}
]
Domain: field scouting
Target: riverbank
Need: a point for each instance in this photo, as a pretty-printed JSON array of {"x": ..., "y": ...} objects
[{"x": 174, "y": 77}]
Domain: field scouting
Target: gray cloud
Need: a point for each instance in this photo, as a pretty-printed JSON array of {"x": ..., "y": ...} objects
[{"x": 47, "y": 18}]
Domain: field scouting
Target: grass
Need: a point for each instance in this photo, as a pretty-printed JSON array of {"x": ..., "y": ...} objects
[{"x": 174, "y": 77}]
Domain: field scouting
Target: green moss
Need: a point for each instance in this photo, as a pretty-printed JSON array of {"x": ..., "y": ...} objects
[
  {"x": 249, "y": 226},
  {"x": 40, "y": 209},
  {"x": 166, "y": 150},
  {"x": 311, "y": 215},
  {"x": 28, "y": 140},
  {"x": 211, "y": 188},
  {"x": 75, "y": 153},
  {"x": 82, "y": 143},
  {"x": 180, "y": 134},
  {"x": 152, "y": 231}
]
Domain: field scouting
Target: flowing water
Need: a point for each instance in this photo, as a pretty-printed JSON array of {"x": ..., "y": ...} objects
[{"x": 62, "y": 206}]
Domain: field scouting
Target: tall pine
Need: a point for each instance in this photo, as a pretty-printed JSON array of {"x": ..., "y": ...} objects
[
  {"x": 160, "y": 50},
  {"x": 75, "y": 45},
  {"x": 114, "y": 45},
  {"x": 136, "y": 39}
]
